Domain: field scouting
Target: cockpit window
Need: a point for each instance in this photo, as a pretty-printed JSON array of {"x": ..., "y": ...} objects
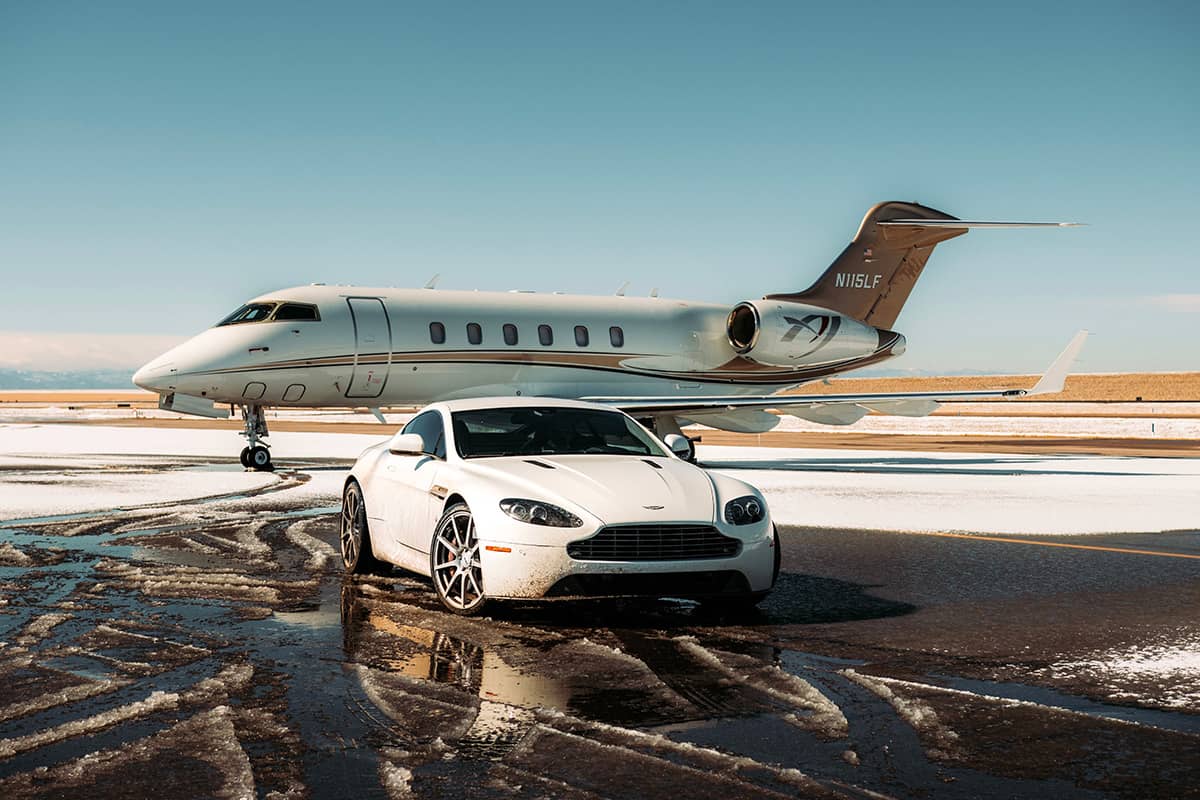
[
  {"x": 251, "y": 312},
  {"x": 297, "y": 311},
  {"x": 274, "y": 312}
]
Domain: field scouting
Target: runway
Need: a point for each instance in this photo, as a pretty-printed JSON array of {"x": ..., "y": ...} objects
[{"x": 195, "y": 616}]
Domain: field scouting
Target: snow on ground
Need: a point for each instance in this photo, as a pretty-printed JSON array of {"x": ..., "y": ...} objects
[
  {"x": 876, "y": 489},
  {"x": 42, "y": 493},
  {"x": 970, "y": 492},
  {"x": 34, "y": 441},
  {"x": 1015, "y": 425},
  {"x": 66, "y": 469},
  {"x": 1172, "y": 666}
]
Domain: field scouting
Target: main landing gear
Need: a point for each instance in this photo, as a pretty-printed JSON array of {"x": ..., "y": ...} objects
[{"x": 255, "y": 455}]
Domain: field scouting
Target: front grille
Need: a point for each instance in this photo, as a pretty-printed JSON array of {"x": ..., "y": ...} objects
[{"x": 655, "y": 543}]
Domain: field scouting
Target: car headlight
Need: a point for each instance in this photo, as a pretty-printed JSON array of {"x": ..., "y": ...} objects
[
  {"x": 536, "y": 512},
  {"x": 744, "y": 510}
]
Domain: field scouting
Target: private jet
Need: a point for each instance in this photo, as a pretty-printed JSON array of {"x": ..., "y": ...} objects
[{"x": 666, "y": 362}]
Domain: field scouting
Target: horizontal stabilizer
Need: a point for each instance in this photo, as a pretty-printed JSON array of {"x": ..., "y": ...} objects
[{"x": 962, "y": 223}]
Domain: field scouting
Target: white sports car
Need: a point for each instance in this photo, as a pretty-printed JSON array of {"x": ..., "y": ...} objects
[{"x": 504, "y": 498}]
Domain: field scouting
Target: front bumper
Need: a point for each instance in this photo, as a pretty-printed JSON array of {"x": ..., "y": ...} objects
[{"x": 535, "y": 571}]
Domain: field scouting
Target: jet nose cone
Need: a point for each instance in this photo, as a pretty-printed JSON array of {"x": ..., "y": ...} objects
[{"x": 152, "y": 377}]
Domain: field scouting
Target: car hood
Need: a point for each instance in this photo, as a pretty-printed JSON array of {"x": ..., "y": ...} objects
[{"x": 614, "y": 489}]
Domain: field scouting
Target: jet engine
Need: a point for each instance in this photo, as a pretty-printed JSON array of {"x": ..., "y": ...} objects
[{"x": 786, "y": 334}]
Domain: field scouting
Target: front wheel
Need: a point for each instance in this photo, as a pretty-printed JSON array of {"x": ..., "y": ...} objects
[
  {"x": 357, "y": 556},
  {"x": 455, "y": 564}
]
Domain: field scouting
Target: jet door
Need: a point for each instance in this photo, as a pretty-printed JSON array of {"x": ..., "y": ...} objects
[{"x": 372, "y": 346}]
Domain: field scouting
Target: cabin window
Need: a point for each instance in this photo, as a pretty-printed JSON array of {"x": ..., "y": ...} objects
[
  {"x": 545, "y": 335},
  {"x": 474, "y": 333},
  {"x": 510, "y": 334},
  {"x": 437, "y": 333},
  {"x": 251, "y": 312},
  {"x": 616, "y": 336},
  {"x": 581, "y": 335},
  {"x": 297, "y": 312}
]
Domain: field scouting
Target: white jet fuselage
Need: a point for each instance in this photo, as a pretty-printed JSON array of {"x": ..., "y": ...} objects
[{"x": 389, "y": 347}]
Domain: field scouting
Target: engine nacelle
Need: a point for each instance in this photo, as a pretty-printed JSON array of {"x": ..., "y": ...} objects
[{"x": 786, "y": 334}]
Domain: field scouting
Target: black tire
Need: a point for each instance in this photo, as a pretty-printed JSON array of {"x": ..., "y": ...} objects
[
  {"x": 455, "y": 545},
  {"x": 260, "y": 458},
  {"x": 357, "y": 555},
  {"x": 778, "y": 557},
  {"x": 246, "y": 457}
]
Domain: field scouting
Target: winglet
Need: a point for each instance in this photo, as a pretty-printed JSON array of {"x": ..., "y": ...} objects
[{"x": 1056, "y": 376}]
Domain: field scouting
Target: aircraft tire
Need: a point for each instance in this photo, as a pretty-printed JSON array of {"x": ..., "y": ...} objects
[
  {"x": 259, "y": 458},
  {"x": 246, "y": 457}
]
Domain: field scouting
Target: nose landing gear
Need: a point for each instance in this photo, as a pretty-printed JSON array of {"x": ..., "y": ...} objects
[{"x": 255, "y": 455}]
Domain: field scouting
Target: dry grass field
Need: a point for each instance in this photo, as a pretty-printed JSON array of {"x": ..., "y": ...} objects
[
  {"x": 1150, "y": 388},
  {"x": 1098, "y": 388}
]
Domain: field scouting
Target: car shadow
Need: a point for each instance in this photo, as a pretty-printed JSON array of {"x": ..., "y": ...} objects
[{"x": 797, "y": 599}]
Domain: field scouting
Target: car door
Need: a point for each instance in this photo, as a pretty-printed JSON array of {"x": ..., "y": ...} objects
[{"x": 410, "y": 508}]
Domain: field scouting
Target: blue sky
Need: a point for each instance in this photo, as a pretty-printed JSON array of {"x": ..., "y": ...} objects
[{"x": 161, "y": 162}]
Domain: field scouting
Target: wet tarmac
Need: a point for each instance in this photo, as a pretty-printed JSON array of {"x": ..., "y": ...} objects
[{"x": 212, "y": 648}]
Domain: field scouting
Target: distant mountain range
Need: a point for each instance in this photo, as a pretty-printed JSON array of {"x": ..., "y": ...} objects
[{"x": 73, "y": 379}]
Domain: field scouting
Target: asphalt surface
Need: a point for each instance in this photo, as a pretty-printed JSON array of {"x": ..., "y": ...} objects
[{"x": 213, "y": 648}]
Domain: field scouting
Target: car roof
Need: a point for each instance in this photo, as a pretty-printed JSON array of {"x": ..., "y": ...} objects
[{"x": 476, "y": 403}]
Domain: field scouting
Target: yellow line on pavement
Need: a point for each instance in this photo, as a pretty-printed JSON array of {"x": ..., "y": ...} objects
[{"x": 1130, "y": 550}]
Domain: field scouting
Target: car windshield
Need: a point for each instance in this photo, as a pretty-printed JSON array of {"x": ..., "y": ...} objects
[{"x": 493, "y": 432}]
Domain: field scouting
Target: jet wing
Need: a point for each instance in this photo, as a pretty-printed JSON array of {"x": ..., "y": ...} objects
[{"x": 916, "y": 404}]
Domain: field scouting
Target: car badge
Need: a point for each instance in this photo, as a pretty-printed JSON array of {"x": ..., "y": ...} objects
[{"x": 654, "y": 508}]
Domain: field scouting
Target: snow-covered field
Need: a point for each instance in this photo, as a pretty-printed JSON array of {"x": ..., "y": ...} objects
[
  {"x": 57, "y": 469},
  {"x": 1104, "y": 420}
]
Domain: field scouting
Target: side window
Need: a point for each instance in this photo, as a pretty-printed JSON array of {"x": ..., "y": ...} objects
[
  {"x": 437, "y": 333},
  {"x": 581, "y": 335},
  {"x": 545, "y": 335},
  {"x": 616, "y": 336},
  {"x": 298, "y": 312},
  {"x": 474, "y": 333},
  {"x": 510, "y": 334},
  {"x": 430, "y": 426}
]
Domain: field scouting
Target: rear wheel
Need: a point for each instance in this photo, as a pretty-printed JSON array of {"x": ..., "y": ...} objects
[
  {"x": 455, "y": 564},
  {"x": 357, "y": 555}
]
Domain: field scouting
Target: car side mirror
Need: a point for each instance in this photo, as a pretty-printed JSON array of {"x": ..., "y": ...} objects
[
  {"x": 679, "y": 445},
  {"x": 407, "y": 444}
]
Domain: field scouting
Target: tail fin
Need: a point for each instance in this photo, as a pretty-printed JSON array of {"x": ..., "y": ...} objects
[{"x": 872, "y": 278}]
